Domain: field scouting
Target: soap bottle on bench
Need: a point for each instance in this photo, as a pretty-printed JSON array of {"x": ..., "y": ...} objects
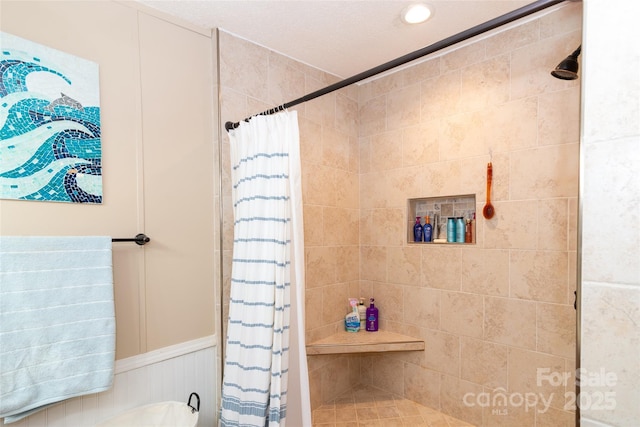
[
  {"x": 372, "y": 317},
  {"x": 362, "y": 312}
]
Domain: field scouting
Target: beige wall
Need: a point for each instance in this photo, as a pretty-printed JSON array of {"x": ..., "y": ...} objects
[
  {"x": 610, "y": 326},
  {"x": 254, "y": 79},
  {"x": 490, "y": 313},
  {"x": 159, "y": 166},
  {"x": 493, "y": 312}
]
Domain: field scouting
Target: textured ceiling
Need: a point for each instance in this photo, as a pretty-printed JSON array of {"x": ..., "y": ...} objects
[{"x": 342, "y": 37}]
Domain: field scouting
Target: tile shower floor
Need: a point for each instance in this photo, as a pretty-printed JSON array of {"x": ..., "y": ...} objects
[{"x": 372, "y": 407}]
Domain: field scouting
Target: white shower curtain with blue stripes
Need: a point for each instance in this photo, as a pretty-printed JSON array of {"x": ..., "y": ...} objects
[{"x": 266, "y": 195}]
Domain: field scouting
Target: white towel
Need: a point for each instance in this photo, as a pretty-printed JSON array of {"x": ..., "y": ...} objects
[{"x": 57, "y": 321}]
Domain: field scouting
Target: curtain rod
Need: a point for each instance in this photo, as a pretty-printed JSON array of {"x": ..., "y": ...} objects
[{"x": 449, "y": 41}]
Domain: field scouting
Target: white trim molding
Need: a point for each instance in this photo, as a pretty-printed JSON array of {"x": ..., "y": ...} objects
[{"x": 165, "y": 353}]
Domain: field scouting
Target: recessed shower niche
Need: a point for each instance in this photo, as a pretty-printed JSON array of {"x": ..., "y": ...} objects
[{"x": 443, "y": 213}]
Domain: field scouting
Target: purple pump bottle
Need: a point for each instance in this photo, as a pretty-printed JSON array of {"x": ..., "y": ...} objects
[{"x": 372, "y": 317}]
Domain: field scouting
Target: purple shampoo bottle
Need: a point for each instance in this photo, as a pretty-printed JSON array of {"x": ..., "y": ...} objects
[{"x": 372, "y": 317}]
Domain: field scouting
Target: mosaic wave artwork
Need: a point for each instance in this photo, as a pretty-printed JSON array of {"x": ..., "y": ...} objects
[{"x": 50, "y": 148}]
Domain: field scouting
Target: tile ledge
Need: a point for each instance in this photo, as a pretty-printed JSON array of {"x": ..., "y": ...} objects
[{"x": 364, "y": 342}]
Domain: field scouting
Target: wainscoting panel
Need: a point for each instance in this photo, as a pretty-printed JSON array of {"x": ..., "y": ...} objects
[{"x": 168, "y": 374}]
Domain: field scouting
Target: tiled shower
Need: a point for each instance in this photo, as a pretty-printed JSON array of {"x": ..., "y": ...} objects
[{"x": 491, "y": 312}]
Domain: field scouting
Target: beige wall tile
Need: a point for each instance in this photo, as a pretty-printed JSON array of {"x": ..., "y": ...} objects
[
  {"x": 320, "y": 265},
  {"x": 567, "y": 19},
  {"x": 315, "y": 388},
  {"x": 513, "y": 415},
  {"x": 233, "y": 104},
  {"x": 441, "y": 267},
  {"x": 346, "y": 114},
  {"x": 341, "y": 226},
  {"x": 244, "y": 65},
  {"x": 442, "y": 352},
  {"x": 386, "y": 84},
  {"x": 441, "y": 96},
  {"x": 513, "y": 38},
  {"x": 539, "y": 275},
  {"x": 255, "y": 106},
  {"x": 421, "y": 307},
  {"x": 310, "y": 149},
  {"x": 486, "y": 83},
  {"x": 559, "y": 117},
  {"x": 553, "y": 417},
  {"x": 463, "y": 56},
  {"x": 462, "y": 314},
  {"x": 389, "y": 299},
  {"x": 335, "y": 303},
  {"x": 406, "y": 183},
  {"x": 388, "y": 374},
  {"x": 372, "y": 116},
  {"x": 321, "y": 110},
  {"x": 284, "y": 82},
  {"x": 354, "y": 154},
  {"x": 389, "y": 226},
  {"x": 335, "y": 149},
  {"x": 453, "y": 390},
  {"x": 373, "y": 263},
  {"x": 403, "y": 107},
  {"x": 458, "y": 131},
  {"x": 572, "y": 232},
  {"x": 483, "y": 363},
  {"x": 384, "y": 151},
  {"x": 485, "y": 271},
  {"x": 553, "y": 224},
  {"x": 437, "y": 180},
  {"x": 513, "y": 226},
  {"x": 313, "y": 307},
  {"x": 333, "y": 379},
  {"x": 420, "y": 144},
  {"x": 545, "y": 172},
  {"x": 421, "y": 71},
  {"x": 347, "y": 263},
  {"x": 498, "y": 128},
  {"x": 404, "y": 265},
  {"x": 538, "y": 373},
  {"x": 313, "y": 225},
  {"x": 318, "y": 184},
  {"x": 421, "y": 385},
  {"x": 556, "y": 329},
  {"x": 509, "y": 321},
  {"x": 372, "y": 199}
]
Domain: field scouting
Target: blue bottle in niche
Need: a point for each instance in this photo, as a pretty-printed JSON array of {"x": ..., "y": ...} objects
[
  {"x": 427, "y": 230},
  {"x": 459, "y": 230},
  {"x": 417, "y": 230},
  {"x": 372, "y": 317},
  {"x": 451, "y": 230}
]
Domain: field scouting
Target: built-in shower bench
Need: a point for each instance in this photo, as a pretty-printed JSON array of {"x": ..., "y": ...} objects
[{"x": 364, "y": 342}]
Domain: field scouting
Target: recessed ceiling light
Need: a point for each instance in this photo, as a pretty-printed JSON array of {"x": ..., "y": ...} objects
[{"x": 416, "y": 13}]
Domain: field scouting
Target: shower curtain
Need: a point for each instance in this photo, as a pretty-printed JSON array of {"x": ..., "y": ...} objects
[{"x": 265, "y": 333}]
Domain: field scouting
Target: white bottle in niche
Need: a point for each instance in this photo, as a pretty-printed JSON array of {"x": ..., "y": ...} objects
[{"x": 362, "y": 312}]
